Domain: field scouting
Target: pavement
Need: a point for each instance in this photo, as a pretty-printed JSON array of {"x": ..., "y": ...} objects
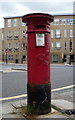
[{"x": 62, "y": 105}]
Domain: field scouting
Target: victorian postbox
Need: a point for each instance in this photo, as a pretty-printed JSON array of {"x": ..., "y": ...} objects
[{"x": 38, "y": 50}]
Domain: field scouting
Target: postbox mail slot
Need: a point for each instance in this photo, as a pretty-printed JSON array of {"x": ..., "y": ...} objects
[
  {"x": 40, "y": 39},
  {"x": 40, "y": 26}
]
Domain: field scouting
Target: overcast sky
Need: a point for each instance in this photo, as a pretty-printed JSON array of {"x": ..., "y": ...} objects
[{"x": 22, "y": 7}]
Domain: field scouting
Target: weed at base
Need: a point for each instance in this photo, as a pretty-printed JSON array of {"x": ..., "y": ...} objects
[{"x": 29, "y": 110}]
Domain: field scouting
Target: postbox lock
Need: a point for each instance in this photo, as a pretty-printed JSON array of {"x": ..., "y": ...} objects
[
  {"x": 40, "y": 39},
  {"x": 39, "y": 26}
]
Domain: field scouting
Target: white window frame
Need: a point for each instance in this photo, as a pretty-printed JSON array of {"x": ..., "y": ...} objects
[
  {"x": 64, "y": 20},
  {"x": 9, "y": 46},
  {"x": 52, "y": 33},
  {"x": 58, "y": 44},
  {"x": 23, "y": 24},
  {"x": 57, "y": 33},
  {"x": 9, "y": 35},
  {"x": 16, "y": 34},
  {"x": 56, "y": 21},
  {"x": 70, "y": 21},
  {"x": 65, "y": 33},
  {"x": 55, "y": 58},
  {"x": 16, "y": 46},
  {"x": 71, "y": 32},
  {"x": 15, "y": 22},
  {"x": 9, "y": 22},
  {"x": 10, "y": 57}
]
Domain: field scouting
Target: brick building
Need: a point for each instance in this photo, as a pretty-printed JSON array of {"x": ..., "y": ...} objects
[
  {"x": 15, "y": 41},
  {"x": 0, "y": 45},
  {"x": 62, "y": 39}
]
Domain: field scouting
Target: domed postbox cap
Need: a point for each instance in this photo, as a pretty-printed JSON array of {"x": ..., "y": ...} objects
[{"x": 37, "y": 16}]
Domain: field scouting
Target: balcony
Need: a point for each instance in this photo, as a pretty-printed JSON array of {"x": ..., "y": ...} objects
[
  {"x": 16, "y": 37},
  {"x": 16, "y": 49},
  {"x": 9, "y": 37},
  {"x": 58, "y": 48},
  {"x": 23, "y": 37},
  {"x": 71, "y": 36},
  {"x": 9, "y": 49},
  {"x": 58, "y": 36}
]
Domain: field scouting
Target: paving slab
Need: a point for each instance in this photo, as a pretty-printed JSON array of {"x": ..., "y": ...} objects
[
  {"x": 12, "y": 116},
  {"x": 7, "y": 108},
  {"x": 0, "y": 108},
  {"x": 55, "y": 115},
  {"x": 63, "y": 104},
  {"x": 20, "y": 103}
]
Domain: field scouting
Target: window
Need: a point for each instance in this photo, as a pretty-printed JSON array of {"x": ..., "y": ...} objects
[
  {"x": 2, "y": 36},
  {"x": 71, "y": 33},
  {"x": 16, "y": 34},
  {"x": 23, "y": 34},
  {"x": 9, "y": 35},
  {"x": 9, "y": 22},
  {"x": 24, "y": 46},
  {"x": 56, "y": 21},
  {"x": 70, "y": 21},
  {"x": 23, "y": 58},
  {"x": 65, "y": 34},
  {"x": 73, "y": 21},
  {"x": 58, "y": 33},
  {"x": 70, "y": 45},
  {"x": 57, "y": 44},
  {"x": 52, "y": 33},
  {"x": 15, "y": 22},
  {"x": 16, "y": 46},
  {"x": 54, "y": 58},
  {"x": 64, "y": 58},
  {"x": 23, "y": 24},
  {"x": 65, "y": 45},
  {"x": 63, "y": 20},
  {"x": 9, "y": 47},
  {"x": 2, "y": 47},
  {"x": 52, "y": 44},
  {"x": 10, "y": 57},
  {"x": 16, "y": 56}
]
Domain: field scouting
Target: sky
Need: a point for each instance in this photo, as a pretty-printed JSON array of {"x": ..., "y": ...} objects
[{"x": 22, "y": 7}]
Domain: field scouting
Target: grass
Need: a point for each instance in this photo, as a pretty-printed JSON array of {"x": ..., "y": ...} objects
[{"x": 29, "y": 110}]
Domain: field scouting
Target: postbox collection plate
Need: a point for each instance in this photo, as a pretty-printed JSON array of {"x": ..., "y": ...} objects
[{"x": 40, "y": 39}]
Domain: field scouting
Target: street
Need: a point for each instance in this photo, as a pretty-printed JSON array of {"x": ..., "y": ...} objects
[{"x": 15, "y": 83}]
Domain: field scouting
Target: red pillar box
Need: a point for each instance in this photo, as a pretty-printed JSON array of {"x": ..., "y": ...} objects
[{"x": 39, "y": 86}]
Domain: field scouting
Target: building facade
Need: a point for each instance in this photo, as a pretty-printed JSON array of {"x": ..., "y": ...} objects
[
  {"x": 62, "y": 40},
  {"x": 0, "y": 45},
  {"x": 15, "y": 41}
]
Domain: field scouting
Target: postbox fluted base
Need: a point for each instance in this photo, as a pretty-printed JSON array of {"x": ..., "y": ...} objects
[{"x": 39, "y": 97}]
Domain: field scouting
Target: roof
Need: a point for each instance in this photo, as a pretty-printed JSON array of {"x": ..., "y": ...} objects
[
  {"x": 8, "y": 17},
  {"x": 54, "y": 14}
]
